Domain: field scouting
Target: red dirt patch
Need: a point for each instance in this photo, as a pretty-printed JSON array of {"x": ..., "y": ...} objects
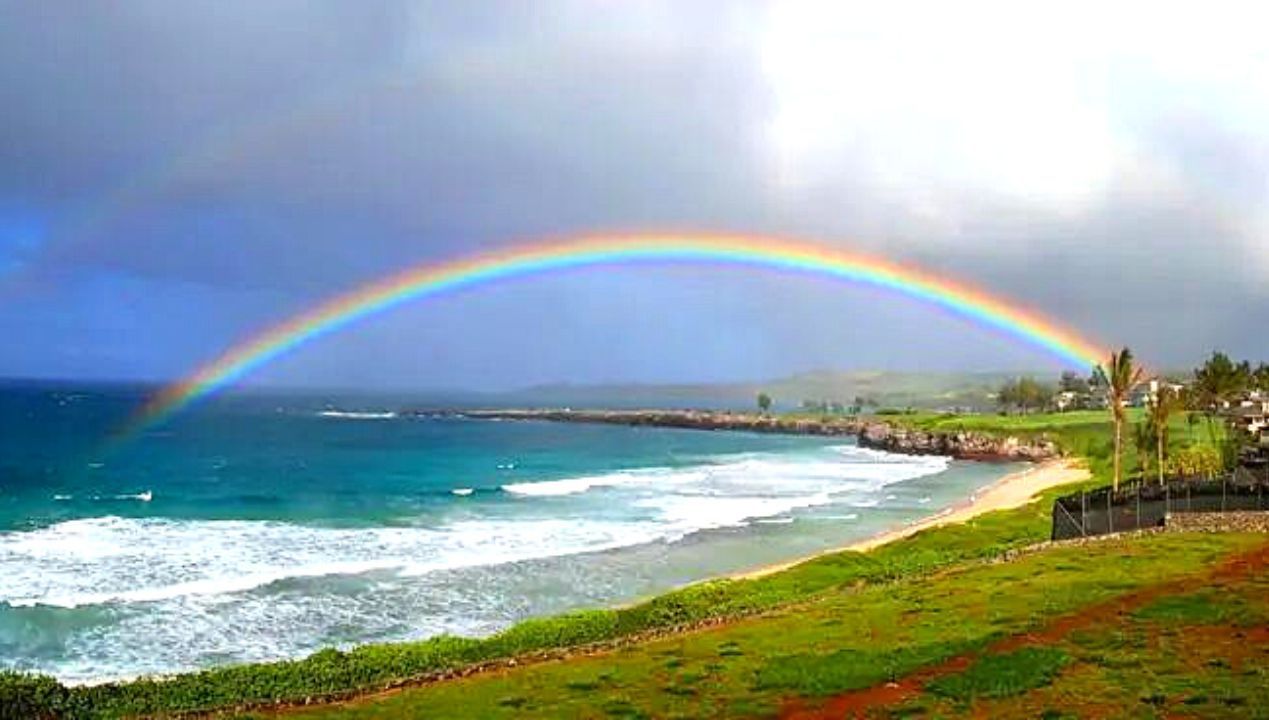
[{"x": 860, "y": 703}]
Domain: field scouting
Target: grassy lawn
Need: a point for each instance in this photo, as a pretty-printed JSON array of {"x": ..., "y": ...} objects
[
  {"x": 1199, "y": 654},
  {"x": 849, "y": 638}
]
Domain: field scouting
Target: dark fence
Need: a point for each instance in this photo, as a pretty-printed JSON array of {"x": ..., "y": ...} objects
[{"x": 1144, "y": 504}]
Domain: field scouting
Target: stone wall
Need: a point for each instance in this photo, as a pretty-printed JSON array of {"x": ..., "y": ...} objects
[{"x": 1238, "y": 521}]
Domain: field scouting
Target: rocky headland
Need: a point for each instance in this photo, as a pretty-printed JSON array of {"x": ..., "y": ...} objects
[
  {"x": 871, "y": 432},
  {"x": 960, "y": 444}
]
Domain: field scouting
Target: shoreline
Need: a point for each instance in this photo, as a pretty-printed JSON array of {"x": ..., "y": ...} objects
[
  {"x": 1011, "y": 491},
  {"x": 1016, "y": 487}
]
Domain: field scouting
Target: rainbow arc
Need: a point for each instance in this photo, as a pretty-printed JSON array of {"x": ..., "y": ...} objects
[{"x": 417, "y": 283}]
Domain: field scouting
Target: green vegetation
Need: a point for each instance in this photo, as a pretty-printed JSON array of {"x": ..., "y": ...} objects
[
  {"x": 1086, "y": 434},
  {"x": 1197, "y": 461},
  {"x": 1120, "y": 377},
  {"x": 1198, "y": 653},
  {"x": 1165, "y": 403},
  {"x": 1024, "y": 394},
  {"x": 1218, "y": 384},
  {"x": 854, "y": 637},
  {"x": 1003, "y": 675},
  {"x": 764, "y": 403}
]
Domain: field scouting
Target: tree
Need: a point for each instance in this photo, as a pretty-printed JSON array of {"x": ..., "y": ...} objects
[
  {"x": 1034, "y": 394},
  {"x": 1119, "y": 377},
  {"x": 1007, "y": 395},
  {"x": 1143, "y": 439},
  {"x": 1260, "y": 378},
  {"x": 764, "y": 402},
  {"x": 1024, "y": 393},
  {"x": 1219, "y": 381},
  {"x": 1163, "y": 404},
  {"x": 1071, "y": 382}
]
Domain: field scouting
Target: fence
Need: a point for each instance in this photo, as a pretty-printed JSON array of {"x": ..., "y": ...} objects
[{"x": 1139, "y": 504}]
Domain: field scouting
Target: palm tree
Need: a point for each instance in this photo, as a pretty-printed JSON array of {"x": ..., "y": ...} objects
[
  {"x": 1165, "y": 402},
  {"x": 1143, "y": 439},
  {"x": 1119, "y": 378}
]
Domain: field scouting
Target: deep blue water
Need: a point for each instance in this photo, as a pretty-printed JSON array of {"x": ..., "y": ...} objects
[
  {"x": 281, "y": 458},
  {"x": 260, "y": 527}
]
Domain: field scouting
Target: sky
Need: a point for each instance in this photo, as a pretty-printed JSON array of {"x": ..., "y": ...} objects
[{"x": 176, "y": 177}]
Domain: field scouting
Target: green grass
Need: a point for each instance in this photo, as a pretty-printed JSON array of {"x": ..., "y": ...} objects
[
  {"x": 1003, "y": 675},
  {"x": 1206, "y": 607},
  {"x": 1199, "y": 654},
  {"x": 840, "y": 640}
]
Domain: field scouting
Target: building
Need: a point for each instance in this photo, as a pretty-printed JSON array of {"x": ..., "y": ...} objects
[
  {"x": 1251, "y": 416},
  {"x": 1145, "y": 393}
]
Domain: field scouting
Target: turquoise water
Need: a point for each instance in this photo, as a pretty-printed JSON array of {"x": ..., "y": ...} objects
[{"x": 256, "y": 528}]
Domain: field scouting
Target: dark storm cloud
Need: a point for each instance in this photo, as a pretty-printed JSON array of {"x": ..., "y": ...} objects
[{"x": 231, "y": 162}]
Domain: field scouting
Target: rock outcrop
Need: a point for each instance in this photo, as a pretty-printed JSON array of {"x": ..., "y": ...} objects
[
  {"x": 872, "y": 433},
  {"x": 688, "y": 419},
  {"x": 960, "y": 444}
]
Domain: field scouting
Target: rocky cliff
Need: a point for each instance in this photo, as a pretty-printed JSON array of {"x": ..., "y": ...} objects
[
  {"x": 688, "y": 419},
  {"x": 959, "y": 444},
  {"x": 871, "y": 433}
]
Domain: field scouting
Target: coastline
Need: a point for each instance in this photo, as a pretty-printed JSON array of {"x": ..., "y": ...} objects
[
  {"x": 874, "y": 432},
  {"x": 1011, "y": 491}
]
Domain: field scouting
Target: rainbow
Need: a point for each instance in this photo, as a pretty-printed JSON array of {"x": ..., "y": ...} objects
[{"x": 754, "y": 251}]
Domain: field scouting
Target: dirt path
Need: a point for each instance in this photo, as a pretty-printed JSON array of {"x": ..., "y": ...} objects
[{"x": 860, "y": 703}]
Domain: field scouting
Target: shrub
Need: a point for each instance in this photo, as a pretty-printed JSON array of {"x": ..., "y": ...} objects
[{"x": 1194, "y": 461}]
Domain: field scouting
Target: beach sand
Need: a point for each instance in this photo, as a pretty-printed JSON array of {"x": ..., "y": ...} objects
[{"x": 1010, "y": 491}]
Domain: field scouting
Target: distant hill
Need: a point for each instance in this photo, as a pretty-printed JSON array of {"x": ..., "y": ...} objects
[{"x": 884, "y": 388}]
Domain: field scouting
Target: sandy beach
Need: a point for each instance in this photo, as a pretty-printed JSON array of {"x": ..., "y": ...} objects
[{"x": 1010, "y": 491}]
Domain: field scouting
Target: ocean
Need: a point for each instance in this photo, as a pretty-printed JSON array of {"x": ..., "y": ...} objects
[{"x": 261, "y": 527}]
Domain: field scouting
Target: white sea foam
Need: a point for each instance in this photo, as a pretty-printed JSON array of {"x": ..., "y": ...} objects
[
  {"x": 351, "y": 415},
  {"x": 125, "y": 560},
  {"x": 689, "y": 513},
  {"x": 854, "y": 468},
  {"x": 146, "y": 496},
  {"x": 185, "y": 589}
]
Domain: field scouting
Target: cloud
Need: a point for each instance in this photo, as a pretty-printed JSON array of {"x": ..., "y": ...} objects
[{"x": 1106, "y": 165}]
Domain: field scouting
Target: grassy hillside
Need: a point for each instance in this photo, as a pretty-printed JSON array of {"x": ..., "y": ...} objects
[{"x": 1105, "y": 620}]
